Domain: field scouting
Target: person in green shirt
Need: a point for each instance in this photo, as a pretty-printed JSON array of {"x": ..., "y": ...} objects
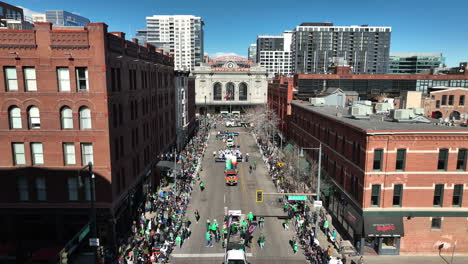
[
  {"x": 208, "y": 224},
  {"x": 178, "y": 241},
  {"x": 254, "y": 165},
  {"x": 325, "y": 227},
  {"x": 202, "y": 186},
  {"x": 209, "y": 243},
  {"x": 250, "y": 217},
  {"x": 261, "y": 241}
]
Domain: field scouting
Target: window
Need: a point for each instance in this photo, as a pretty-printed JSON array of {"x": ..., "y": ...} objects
[
  {"x": 37, "y": 154},
  {"x": 436, "y": 223},
  {"x": 63, "y": 77},
  {"x": 230, "y": 91},
  {"x": 11, "y": 79},
  {"x": 15, "y": 117},
  {"x": 438, "y": 195},
  {"x": 18, "y": 154},
  {"x": 41, "y": 188},
  {"x": 378, "y": 156},
  {"x": 375, "y": 195},
  {"x": 242, "y": 92},
  {"x": 461, "y": 159},
  {"x": 73, "y": 188},
  {"x": 85, "y": 118},
  {"x": 82, "y": 79},
  {"x": 34, "y": 118},
  {"x": 451, "y": 99},
  {"x": 66, "y": 117},
  {"x": 69, "y": 154},
  {"x": 23, "y": 188},
  {"x": 30, "y": 79},
  {"x": 462, "y": 100},
  {"x": 443, "y": 157},
  {"x": 217, "y": 92},
  {"x": 397, "y": 194},
  {"x": 437, "y": 103},
  {"x": 400, "y": 160},
  {"x": 457, "y": 195},
  {"x": 444, "y": 99},
  {"x": 86, "y": 153}
]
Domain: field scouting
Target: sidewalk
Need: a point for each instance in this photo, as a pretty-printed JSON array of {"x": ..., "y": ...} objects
[{"x": 462, "y": 259}]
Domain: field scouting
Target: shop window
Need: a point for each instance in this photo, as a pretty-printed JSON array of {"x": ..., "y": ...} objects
[
  {"x": 438, "y": 195},
  {"x": 400, "y": 160},
  {"x": 443, "y": 158},
  {"x": 378, "y": 157},
  {"x": 389, "y": 243},
  {"x": 436, "y": 223},
  {"x": 457, "y": 195},
  {"x": 375, "y": 195}
]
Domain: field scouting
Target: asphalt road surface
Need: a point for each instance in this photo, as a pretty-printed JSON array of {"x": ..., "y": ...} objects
[{"x": 212, "y": 201}]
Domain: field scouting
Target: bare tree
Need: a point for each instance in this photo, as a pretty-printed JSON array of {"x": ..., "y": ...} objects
[{"x": 263, "y": 120}]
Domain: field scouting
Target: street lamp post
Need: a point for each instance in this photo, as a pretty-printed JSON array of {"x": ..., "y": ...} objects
[
  {"x": 175, "y": 171},
  {"x": 206, "y": 111},
  {"x": 93, "y": 217},
  {"x": 318, "y": 182}
]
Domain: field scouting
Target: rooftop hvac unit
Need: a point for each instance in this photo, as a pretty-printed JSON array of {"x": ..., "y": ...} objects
[
  {"x": 358, "y": 111},
  {"x": 402, "y": 114},
  {"x": 317, "y": 101},
  {"x": 383, "y": 107},
  {"x": 418, "y": 111},
  {"x": 363, "y": 102}
]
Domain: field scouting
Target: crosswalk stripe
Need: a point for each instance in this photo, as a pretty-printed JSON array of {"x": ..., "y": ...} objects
[{"x": 204, "y": 255}]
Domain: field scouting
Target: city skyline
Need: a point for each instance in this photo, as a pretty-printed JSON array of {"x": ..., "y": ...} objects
[{"x": 228, "y": 31}]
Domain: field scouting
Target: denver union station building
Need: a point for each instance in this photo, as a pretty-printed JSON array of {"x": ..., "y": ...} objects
[{"x": 229, "y": 84}]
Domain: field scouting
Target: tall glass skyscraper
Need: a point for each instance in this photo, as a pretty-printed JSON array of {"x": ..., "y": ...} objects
[
  {"x": 61, "y": 18},
  {"x": 316, "y": 45}
]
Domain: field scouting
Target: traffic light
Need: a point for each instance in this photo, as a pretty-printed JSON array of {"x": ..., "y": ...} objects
[{"x": 259, "y": 196}]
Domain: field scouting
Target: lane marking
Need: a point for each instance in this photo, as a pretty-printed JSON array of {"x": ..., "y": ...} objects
[{"x": 204, "y": 255}]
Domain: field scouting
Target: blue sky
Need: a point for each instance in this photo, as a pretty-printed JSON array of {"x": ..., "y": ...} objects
[{"x": 230, "y": 26}]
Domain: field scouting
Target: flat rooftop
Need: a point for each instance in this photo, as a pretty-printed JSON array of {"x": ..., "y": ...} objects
[{"x": 377, "y": 122}]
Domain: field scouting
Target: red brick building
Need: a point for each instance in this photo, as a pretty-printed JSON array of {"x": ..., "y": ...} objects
[
  {"x": 393, "y": 185},
  {"x": 69, "y": 97},
  {"x": 280, "y": 93},
  {"x": 447, "y": 103}
]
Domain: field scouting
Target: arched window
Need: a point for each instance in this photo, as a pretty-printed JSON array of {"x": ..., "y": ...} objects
[
  {"x": 230, "y": 91},
  {"x": 217, "y": 93},
  {"x": 34, "y": 118},
  {"x": 85, "y": 118},
  {"x": 15, "y": 117},
  {"x": 243, "y": 92},
  {"x": 66, "y": 118}
]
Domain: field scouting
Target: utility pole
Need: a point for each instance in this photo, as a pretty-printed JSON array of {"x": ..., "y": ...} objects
[{"x": 93, "y": 207}]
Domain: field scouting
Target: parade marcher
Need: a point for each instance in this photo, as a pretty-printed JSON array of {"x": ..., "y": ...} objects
[
  {"x": 209, "y": 243},
  {"x": 254, "y": 165},
  {"x": 197, "y": 215},
  {"x": 261, "y": 241},
  {"x": 208, "y": 225},
  {"x": 178, "y": 241},
  {"x": 261, "y": 222},
  {"x": 202, "y": 186},
  {"x": 247, "y": 157},
  {"x": 250, "y": 217},
  {"x": 286, "y": 224}
]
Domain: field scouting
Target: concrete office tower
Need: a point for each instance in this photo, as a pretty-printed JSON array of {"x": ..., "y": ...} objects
[
  {"x": 274, "y": 53},
  {"x": 252, "y": 53},
  {"x": 366, "y": 49},
  {"x": 61, "y": 18},
  {"x": 180, "y": 35},
  {"x": 142, "y": 36},
  {"x": 414, "y": 63}
]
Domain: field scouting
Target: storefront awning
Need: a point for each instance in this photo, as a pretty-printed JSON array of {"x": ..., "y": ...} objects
[
  {"x": 353, "y": 218},
  {"x": 383, "y": 226}
]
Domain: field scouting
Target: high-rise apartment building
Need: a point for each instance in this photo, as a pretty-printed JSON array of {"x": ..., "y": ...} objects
[
  {"x": 315, "y": 45},
  {"x": 414, "y": 63},
  {"x": 252, "y": 53},
  {"x": 61, "y": 18},
  {"x": 274, "y": 53},
  {"x": 142, "y": 36},
  {"x": 180, "y": 35}
]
